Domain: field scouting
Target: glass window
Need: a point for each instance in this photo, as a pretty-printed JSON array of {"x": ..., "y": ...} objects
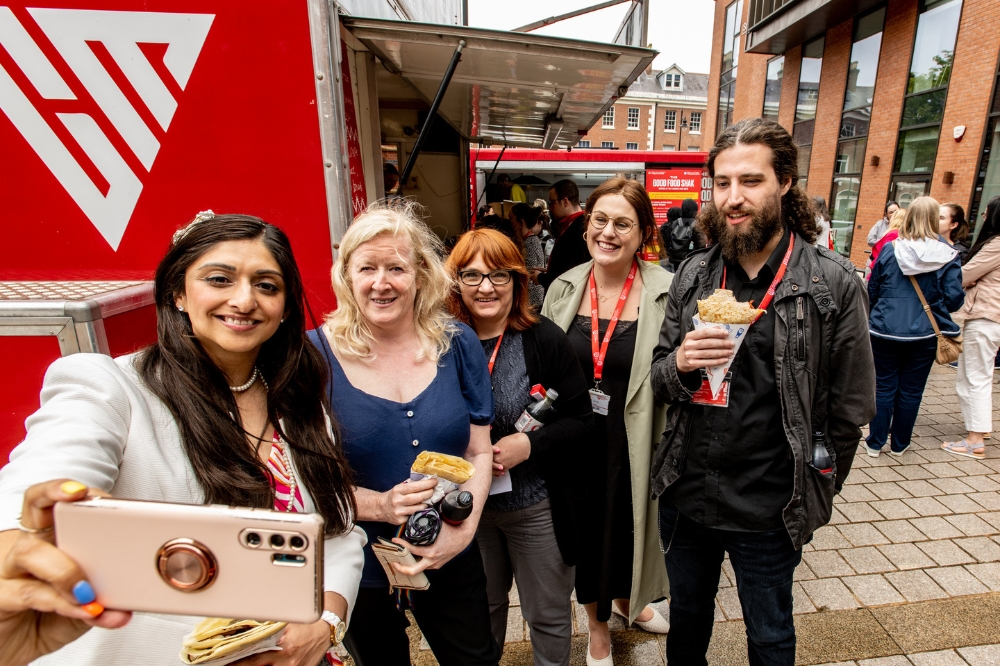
[
  {"x": 850, "y": 156},
  {"x": 772, "y": 87},
  {"x": 805, "y": 105},
  {"x": 731, "y": 37},
  {"x": 924, "y": 108},
  {"x": 607, "y": 144},
  {"x": 670, "y": 121},
  {"x": 696, "y": 122},
  {"x": 904, "y": 190},
  {"x": 803, "y": 132},
  {"x": 609, "y": 118},
  {"x": 583, "y": 143},
  {"x": 631, "y": 146},
  {"x": 633, "y": 117},
  {"x": 934, "y": 46},
  {"x": 844, "y": 206},
  {"x": 805, "y": 153},
  {"x": 862, "y": 70},
  {"x": 988, "y": 180},
  {"x": 669, "y": 148},
  {"x": 855, "y": 122},
  {"x": 916, "y": 150}
]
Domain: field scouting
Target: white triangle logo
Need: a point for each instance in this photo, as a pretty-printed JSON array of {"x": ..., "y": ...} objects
[{"x": 69, "y": 30}]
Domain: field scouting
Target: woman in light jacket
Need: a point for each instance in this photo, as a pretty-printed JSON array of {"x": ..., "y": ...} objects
[
  {"x": 225, "y": 408},
  {"x": 904, "y": 343},
  {"x": 981, "y": 314},
  {"x": 623, "y": 570}
]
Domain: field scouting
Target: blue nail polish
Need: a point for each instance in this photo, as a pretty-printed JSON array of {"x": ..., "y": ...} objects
[{"x": 84, "y": 593}]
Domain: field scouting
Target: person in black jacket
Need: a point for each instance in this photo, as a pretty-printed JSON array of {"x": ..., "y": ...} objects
[
  {"x": 528, "y": 529},
  {"x": 570, "y": 249},
  {"x": 684, "y": 238}
]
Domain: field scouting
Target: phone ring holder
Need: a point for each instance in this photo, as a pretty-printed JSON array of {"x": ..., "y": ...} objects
[{"x": 186, "y": 565}]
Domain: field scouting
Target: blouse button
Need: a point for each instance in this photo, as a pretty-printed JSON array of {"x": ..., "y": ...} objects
[
  {"x": 416, "y": 442},
  {"x": 409, "y": 414}
]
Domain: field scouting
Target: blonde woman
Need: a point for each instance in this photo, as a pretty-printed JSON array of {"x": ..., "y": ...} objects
[
  {"x": 903, "y": 341},
  {"x": 406, "y": 378}
]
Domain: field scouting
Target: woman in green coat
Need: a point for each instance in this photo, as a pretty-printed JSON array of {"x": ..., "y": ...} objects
[{"x": 622, "y": 568}]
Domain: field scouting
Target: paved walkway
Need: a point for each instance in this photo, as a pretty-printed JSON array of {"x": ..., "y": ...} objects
[{"x": 907, "y": 573}]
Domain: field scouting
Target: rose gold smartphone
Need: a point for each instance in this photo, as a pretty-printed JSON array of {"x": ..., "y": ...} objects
[{"x": 183, "y": 559}]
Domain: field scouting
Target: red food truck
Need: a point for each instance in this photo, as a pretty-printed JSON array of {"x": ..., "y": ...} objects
[
  {"x": 120, "y": 120},
  {"x": 669, "y": 177}
]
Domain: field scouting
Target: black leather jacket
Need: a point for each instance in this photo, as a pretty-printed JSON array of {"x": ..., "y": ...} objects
[{"x": 822, "y": 362}]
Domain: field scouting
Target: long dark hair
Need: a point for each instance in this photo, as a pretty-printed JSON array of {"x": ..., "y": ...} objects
[
  {"x": 797, "y": 210},
  {"x": 990, "y": 228},
  {"x": 961, "y": 232},
  {"x": 196, "y": 392}
]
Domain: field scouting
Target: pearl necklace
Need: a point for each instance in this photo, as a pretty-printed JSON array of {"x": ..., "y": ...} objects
[{"x": 249, "y": 382}]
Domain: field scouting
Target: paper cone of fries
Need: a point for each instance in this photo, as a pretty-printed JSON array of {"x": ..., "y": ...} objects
[{"x": 722, "y": 310}]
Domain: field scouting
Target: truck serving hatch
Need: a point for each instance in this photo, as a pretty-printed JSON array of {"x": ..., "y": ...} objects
[{"x": 510, "y": 88}]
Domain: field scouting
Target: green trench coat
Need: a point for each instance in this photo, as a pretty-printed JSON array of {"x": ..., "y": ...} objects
[{"x": 644, "y": 419}]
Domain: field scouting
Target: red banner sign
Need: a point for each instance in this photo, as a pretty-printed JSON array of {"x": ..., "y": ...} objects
[
  {"x": 670, "y": 187},
  {"x": 122, "y": 119}
]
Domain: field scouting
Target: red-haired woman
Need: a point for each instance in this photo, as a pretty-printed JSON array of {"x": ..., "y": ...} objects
[
  {"x": 529, "y": 530},
  {"x": 625, "y": 299}
]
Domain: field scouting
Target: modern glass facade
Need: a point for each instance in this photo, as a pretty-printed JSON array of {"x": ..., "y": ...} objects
[
  {"x": 730, "y": 63},
  {"x": 988, "y": 177},
  {"x": 854, "y": 123},
  {"x": 805, "y": 104},
  {"x": 772, "y": 87},
  {"x": 926, "y": 91}
]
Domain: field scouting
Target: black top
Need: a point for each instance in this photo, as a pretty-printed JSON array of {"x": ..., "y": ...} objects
[
  {"x": 570, "y": 249},
  {"x": 738, "y": 473},
  {"x": 555, "y": 447},
  {"x": 511, "y": 394}
]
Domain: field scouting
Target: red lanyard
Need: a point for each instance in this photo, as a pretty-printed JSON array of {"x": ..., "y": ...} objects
[
  {"x": 493, "y": 359},
  {"x": 769, "y": 296},
  {"x": 594, "y": 333}
]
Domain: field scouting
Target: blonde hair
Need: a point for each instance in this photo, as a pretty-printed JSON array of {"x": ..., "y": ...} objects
[
  {"x": 922, "y": 219},
  {"x": 897, "y": 219},
  {"x": 398, "y": 218}
]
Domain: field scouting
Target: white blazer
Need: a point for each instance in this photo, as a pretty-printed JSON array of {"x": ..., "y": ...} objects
[{"x": 98, "y": 424}]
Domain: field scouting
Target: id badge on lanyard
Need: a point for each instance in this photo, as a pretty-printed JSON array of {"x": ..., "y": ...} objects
[{"x": 599, "y": 400}]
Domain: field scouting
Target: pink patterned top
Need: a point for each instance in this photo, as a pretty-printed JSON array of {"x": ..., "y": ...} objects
[{"x": 283, "y": 479}]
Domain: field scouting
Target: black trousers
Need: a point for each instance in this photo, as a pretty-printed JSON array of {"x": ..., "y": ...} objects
[{"x": 453, "y": 614}]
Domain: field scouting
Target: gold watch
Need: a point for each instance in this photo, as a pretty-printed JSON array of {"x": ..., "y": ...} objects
[{"x": 337, "y": 627}]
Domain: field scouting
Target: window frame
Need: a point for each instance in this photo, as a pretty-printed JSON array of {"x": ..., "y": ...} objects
[
  {"x": 631, "y": 145},
  {"x": 691, "y": 129},
  {"x": 610, "y": 113},
  {"x": 668, "y": 119},
  {"x": 607, "y": 145},
  {"x": 581, "y": 142},
  {"x": 637, "y": 118}
]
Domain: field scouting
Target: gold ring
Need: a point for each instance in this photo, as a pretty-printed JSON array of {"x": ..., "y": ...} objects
[{"x": 32, "y": 530}]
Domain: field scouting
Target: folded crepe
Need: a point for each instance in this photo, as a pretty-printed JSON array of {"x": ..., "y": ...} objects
[
  {"x": 451, "y": 468},
  {"x": 723, "y": 308},
  {"x": 216, "y": 638}
]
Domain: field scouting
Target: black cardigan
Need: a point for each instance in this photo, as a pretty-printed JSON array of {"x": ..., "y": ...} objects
[{"x": 561, "y": 448}]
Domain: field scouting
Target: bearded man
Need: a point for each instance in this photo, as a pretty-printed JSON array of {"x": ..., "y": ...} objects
[{"x": 734, "y": 471}]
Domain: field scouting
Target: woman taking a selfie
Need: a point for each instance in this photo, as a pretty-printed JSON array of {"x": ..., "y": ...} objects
[
  {"x": 625, "y": 299},
  {"x": 530, "y": 531},
  {"x": 224, "y": 408},
  {"x": 407, "y": 378}
]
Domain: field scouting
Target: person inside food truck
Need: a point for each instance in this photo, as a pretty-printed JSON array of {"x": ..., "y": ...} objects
[
  {"x": 390, "y": 178},
  {"x": 509, "y": 190}
]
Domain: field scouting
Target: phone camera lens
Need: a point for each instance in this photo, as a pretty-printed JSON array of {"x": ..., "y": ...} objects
[
  {"x": 277, "y": 541},
  {"x": 253, "y": 539},
  {"x": 297, "y": 543}
]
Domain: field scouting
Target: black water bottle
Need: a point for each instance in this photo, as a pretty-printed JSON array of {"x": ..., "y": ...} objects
[{"x": 821, "y": 459}]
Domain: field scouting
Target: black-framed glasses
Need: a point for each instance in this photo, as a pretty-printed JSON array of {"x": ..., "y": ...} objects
[
  {"x": 475, "y": 278},
  {"x": 622, "y": 225}
]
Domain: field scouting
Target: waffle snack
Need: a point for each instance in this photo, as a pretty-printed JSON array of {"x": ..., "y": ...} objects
[
  {"x": 220, "y": 640},
  {"x": 451, "y": 468},
  {"x": 723, "y": 308}
]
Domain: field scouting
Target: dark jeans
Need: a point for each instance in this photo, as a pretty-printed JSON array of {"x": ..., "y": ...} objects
[
  {"x": 901, "y": 370},
  {"x": 764, "y": 563},
  {"x": 453, "y": 614}
]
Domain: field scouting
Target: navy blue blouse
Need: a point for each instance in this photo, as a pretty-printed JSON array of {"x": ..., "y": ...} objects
[{"x": 381, "y": 438}]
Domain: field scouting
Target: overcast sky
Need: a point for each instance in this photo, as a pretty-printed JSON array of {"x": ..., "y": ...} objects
[{"x": 681, "y": 30}]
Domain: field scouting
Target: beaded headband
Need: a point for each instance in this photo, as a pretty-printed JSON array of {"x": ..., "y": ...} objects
[{"x": 199, "y": 218}]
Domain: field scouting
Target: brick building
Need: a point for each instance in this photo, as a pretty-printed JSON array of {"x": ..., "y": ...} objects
[
  {"x": 886, "y": 100},
  {"x": 662, "y": 111}
]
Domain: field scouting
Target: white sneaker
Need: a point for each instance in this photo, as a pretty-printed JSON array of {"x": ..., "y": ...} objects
[
  {"x": 607, "y": 661},
  {"x": 874, "y": 453},
  {"x": 655, "y": 625}
]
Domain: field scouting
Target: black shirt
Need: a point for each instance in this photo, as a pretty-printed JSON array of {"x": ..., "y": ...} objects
[{"x": 738, "y": 471}]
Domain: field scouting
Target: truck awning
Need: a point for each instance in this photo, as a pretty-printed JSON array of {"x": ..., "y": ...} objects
[{"x": 509, "y": 88}]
